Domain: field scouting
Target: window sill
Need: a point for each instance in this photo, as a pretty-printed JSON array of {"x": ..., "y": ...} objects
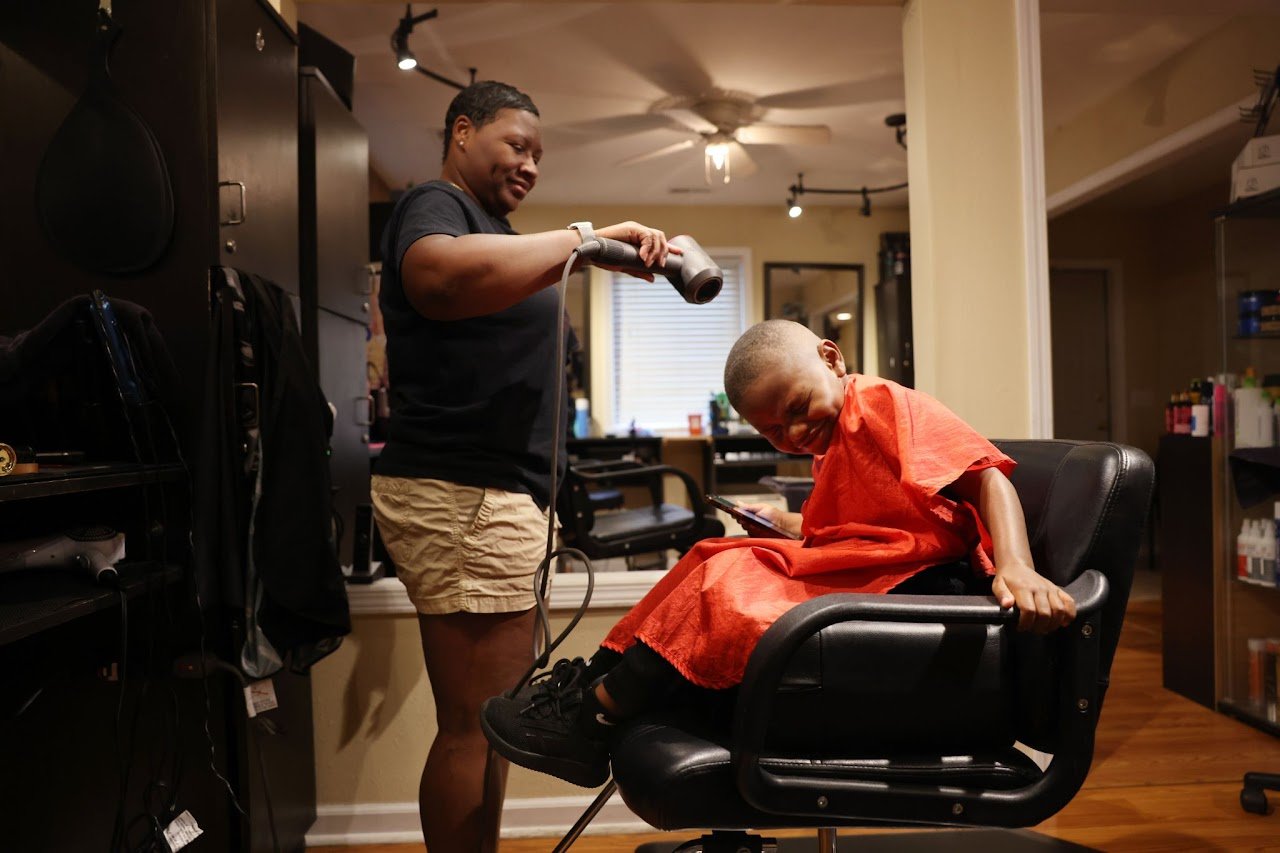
[{"x": 387, "y": 596}]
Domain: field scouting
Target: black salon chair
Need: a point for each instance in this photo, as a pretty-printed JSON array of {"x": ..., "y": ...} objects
[
  {"x": 873, "y": 710},
  {"x": 627, "y": 532}
]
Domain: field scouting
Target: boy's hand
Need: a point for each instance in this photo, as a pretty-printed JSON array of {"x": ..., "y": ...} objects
[
  {"x": 1042, "y": 605},
  {"x": 790, "y": 521}
]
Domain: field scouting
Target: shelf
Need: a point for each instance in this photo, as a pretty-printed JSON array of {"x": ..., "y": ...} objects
[
  {"x": 1250, "y": 715},
  {"x": 1256, "y": 584},
  {"x": 34, "y": 600},
  {"x": 1264, "y": 205},
  {"x": 1261, "y": 336},
  {"x": 71, "y": 479},
  {"x": 1255, "y": 473}
]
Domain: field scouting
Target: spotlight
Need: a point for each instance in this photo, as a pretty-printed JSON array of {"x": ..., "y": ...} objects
[
  {"x": 404, "y": 57},
  {"x": 866, "y": 203},
  {"x": 793, "y": 208},
  {"x": 400, "y": 38},
  {"x": 844, "y": 316}
]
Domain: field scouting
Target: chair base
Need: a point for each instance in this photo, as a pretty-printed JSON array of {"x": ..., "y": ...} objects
[{"x": 958, "y": 840}]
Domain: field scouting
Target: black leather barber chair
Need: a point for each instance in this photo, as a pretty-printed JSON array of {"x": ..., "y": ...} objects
[
  {"x": 627, "y": 532},
  {"x": 875, "y": 710}
]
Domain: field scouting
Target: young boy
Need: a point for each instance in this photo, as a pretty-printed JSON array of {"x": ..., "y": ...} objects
[{"x": 904, "y": 491}]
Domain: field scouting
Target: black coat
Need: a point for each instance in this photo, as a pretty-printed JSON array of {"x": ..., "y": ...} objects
[{"x": 264, "y": 536}]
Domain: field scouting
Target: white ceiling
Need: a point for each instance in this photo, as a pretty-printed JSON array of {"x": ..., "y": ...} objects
[{"x": 595, "y": 69}]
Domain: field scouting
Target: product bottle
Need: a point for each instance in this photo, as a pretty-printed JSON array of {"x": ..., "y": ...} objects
[
  {"x": 1221, "y": 411},
  {"x": 581, "y": 417},
  {"x": 1208, "y": 390},
  {"x": 1257, "y": 652},
  {"x": 1242, "y": 551},
  {"x": 1268, "y": 552}
]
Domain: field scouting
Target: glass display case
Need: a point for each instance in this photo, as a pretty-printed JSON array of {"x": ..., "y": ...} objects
[{"x": 1247, "y": 596}]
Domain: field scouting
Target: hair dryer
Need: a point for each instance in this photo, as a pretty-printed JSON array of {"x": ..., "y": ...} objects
[
  {"x": 96, "y": 549},
  {"x": 693, "y": 274}
]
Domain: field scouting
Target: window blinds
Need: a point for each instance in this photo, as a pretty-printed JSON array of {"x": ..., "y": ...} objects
[{"x": 668, "y": 355}]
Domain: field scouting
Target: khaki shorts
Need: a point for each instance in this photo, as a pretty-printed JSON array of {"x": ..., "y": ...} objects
[{"x": 460, "y": 548}]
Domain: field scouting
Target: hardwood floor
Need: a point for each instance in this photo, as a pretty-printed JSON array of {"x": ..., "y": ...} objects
[{"x": 1166, "y": 772}]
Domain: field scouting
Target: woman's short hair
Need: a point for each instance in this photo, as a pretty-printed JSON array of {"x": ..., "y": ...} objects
[{"x": 481, "y": 102}]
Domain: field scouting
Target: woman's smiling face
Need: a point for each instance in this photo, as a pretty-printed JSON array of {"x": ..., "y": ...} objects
[
  {"x": 499, "y": 160},
  {"x": 796, "y": 403}
]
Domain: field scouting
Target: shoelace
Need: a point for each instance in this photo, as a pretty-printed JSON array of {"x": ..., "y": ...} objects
[{"x": 554, "y": 688}]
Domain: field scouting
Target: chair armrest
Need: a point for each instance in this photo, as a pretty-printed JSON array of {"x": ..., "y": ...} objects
[{"x": 914, "y": 803}]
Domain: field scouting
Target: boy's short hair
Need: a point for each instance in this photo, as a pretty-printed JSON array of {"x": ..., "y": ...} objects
[
  {"x": 481, "y": 102},
  {"x": 760, "y": 348}
]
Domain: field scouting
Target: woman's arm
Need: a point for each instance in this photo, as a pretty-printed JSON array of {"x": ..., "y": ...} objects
[
  {"x": 1042, "y": 605},
  {"x": 453, "y": 278}
]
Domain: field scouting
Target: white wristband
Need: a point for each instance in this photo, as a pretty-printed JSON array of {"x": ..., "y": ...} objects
[{"x": 585, "y": 231}]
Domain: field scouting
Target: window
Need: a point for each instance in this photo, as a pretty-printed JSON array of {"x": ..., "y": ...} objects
[{"x": 668, "y": 355}]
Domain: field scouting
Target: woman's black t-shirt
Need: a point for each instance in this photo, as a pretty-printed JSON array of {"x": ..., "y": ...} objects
[{"x": 472, "y": 401}]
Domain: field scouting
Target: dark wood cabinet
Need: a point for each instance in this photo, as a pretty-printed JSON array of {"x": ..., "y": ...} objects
[
  {"x": 893, "y": 310},
  {"x": 342, "y": 376},
  {"x": 257, "y": 142},
  {"x": 334, "y": 164},
  {"x": 216, "y": 81},
  {"x": 1185, "y": 513}
]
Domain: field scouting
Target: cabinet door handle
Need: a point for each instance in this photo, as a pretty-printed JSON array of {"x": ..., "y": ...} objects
[
  {"x": 235, "y": 220},
  {"x": 364, "y": 410}
]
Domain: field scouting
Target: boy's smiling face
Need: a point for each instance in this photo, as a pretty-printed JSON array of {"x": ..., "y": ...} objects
[{"x": 796, "y": 402}]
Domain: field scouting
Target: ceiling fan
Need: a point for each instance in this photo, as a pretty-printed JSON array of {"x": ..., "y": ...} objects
[{"x": 723, "y": 121}]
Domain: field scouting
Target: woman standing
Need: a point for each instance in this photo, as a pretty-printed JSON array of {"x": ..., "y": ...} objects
[{"x": 463, "y": 484}]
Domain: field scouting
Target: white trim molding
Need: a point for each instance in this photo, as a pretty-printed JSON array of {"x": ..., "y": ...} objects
[
  {"x": 1144, "y": 160},
  {"x": 387, "y": 596},
  {"x": 531, "y": 817},
  {"x": 1035, "y": 235}
]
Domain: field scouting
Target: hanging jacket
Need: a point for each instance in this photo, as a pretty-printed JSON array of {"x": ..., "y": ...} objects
[{"x": 263, "y": 533}]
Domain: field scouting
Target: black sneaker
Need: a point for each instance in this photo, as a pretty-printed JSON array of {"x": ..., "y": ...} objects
[{"x": 538, "y": 729}]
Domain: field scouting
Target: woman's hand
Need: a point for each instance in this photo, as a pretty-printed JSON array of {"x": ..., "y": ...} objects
[
  {"x": 789, "y": 521},
  {"x": 1042, "y": 605},
  {"x": 651, "y": 243}
]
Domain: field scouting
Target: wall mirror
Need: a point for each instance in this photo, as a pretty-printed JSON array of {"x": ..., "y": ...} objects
[{"x": 827, "y": 298}]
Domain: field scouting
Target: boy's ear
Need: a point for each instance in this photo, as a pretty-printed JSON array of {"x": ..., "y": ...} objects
[{"x": 831, "y": 356}]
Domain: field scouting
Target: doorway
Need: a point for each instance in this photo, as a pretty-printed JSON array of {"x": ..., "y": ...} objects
[{"x": 1081, "y": 308}]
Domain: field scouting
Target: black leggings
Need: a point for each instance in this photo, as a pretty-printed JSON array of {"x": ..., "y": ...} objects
[{"x": 641, "y": 680}]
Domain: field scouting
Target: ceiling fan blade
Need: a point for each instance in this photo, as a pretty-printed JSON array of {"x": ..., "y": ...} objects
[
  {"x": 601, "y": 129},
  {"x": 687, "y": 118},
  {"x": 784, "y": 134},
  {"x": 740, "y": 162},
  {"x": 666, "y": 64},
  {"x": 661, "y": 152},
  {"x": 889, "y": 87}
]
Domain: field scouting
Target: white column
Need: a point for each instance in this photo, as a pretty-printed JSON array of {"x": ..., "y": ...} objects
[{"x": 975, "y": 163}]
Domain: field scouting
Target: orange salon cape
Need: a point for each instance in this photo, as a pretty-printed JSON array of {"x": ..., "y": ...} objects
[{"x": 874, "y": 519}]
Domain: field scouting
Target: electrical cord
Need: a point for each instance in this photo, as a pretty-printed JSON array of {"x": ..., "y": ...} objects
[{"x": 543, "y": 644}]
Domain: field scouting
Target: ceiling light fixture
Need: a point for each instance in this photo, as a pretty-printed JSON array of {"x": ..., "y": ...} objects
[
  {"x": 716, "y": 156},
  {"x": 844, "y": 316},
  {"x": 405, "y": 59}
]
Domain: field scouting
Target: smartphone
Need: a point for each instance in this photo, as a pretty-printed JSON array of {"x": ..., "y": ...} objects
[{"x": 743, "y": 515}]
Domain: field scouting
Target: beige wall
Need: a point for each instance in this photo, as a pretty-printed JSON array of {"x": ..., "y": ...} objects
[
  {"x": 375, "y": 719},
  {"x": 1211, "y": 74}
]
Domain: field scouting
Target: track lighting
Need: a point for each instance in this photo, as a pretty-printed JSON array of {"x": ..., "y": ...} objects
[
  {"x": 405, "y": 59},
  {"x": 898, "y": 121}
]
